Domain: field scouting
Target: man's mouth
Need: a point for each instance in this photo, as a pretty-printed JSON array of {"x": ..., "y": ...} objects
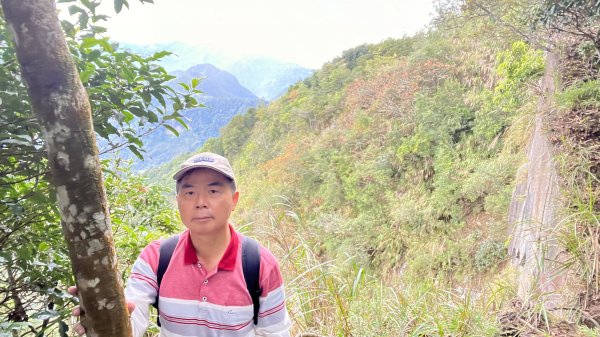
[{"x": 201, "y": 218}]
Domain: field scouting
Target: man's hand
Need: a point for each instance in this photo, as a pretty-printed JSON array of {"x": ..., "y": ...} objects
[{"x": 79, "y": 329}]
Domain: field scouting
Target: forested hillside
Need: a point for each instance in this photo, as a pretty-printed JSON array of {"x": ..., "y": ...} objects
[
  {"x": 384, "y": 180},
  {"x": 383, "y": 183}
]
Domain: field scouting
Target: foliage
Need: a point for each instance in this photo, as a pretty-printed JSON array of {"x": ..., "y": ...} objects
[
  {"x": 399, "y": 160},
  {"x": 567, "y": 12},
  {"x": 401, "y": 154},
  {"x": 575, "y": 18},
  {"x": 352, "y": 56},
  {"x": 382, "y": 181},
  {"x": 579, "y": 96},
  {"x": 489, "y": 254},
  {"x": 516, "y": 67},
  {"x": 141, "y": 212}
]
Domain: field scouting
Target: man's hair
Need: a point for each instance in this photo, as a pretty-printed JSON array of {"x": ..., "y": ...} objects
[{"x": 178, "y": 184}]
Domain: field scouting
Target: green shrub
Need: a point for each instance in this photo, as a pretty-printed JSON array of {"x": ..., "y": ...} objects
[
  {"x": 489, "y": 254},
  {"x": 580, "y": 96}
]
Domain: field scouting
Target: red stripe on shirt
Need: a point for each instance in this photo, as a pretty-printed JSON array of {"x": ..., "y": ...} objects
[
  {"x": 272, "y": 310},
  {"x": 201, "y": 322},
  {"x": 145, "y": 278}
]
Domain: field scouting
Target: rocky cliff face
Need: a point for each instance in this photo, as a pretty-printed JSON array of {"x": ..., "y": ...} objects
[{"x": 535, "y": 206}]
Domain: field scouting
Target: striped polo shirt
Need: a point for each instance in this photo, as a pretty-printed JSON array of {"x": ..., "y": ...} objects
[{"x": 198, "y": 302}]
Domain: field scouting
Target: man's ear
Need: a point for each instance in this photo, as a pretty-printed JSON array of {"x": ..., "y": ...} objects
[{"x": 236, "y": 196}]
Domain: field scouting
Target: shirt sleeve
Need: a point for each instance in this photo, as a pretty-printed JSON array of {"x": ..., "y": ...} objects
[
  {"x": 273, "y": 318},
  {"x": 142, "y": 288}
]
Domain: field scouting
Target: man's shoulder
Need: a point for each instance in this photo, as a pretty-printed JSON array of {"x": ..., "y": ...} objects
[
  {"x": 151, "y": 252},
  {"x": 267, "y": 257},
  {"x": 153, "y": 246}
]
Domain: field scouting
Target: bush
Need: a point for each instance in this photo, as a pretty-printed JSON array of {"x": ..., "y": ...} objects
[
  {"x": 489, "y": 254},
  {"x": 581, "y": 96}
]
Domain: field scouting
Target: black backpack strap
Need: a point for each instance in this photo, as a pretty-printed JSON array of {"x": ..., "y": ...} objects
[
  {"x": 167, "y": 246},
  {"x": 251, "y": 266}
]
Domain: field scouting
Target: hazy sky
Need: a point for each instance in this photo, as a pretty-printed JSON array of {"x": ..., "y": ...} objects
[{"x": 306, "y": 32}]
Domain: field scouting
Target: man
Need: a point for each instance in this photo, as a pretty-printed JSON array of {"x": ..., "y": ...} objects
[{"x": 203, "y": 291}]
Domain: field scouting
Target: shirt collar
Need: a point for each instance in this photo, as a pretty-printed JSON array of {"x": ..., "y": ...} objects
[{"x": 227, "y": 261}]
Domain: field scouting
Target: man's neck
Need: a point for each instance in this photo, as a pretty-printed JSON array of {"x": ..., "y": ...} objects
[{"x": 211, "y": 248}]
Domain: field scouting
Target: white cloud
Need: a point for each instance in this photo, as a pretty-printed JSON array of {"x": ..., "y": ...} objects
[{"x": 307, "y": 32}]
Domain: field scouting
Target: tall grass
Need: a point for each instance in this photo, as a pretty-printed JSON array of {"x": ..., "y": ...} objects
[
  {"x": 333, "y": 298},
  {"x": 581, "y": 237}
]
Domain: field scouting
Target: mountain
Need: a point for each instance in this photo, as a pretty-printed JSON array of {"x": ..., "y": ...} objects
[
  {"x": 223, "y": 97},
  {"x": 267, "y": 78},
  {"x": 441, "y": 184},
  {"x": 213, "y": 82}
]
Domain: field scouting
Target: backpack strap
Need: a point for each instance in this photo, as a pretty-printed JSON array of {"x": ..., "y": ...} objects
[
  {"x": 164, "y": 257},
  {"x": 251, "y": 267}
]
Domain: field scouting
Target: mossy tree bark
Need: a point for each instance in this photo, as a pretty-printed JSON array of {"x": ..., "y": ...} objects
[{"x": 61, "y": 105}]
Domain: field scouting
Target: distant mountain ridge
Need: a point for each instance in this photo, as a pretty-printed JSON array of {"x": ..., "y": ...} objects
[
  {"x": 213, "y": 82},
  {"x": 223, "y": 97},
  {"x": 267, "y": 78}
]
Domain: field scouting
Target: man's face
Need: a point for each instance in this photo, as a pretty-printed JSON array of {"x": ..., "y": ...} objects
[{"x": 205, "y": 200}]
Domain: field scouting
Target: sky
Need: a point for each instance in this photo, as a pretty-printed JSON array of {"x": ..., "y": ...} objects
[{"x": 305, "y": 32}]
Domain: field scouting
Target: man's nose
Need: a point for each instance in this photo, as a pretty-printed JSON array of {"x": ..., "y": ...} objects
[{"x": 200, "y": 201}]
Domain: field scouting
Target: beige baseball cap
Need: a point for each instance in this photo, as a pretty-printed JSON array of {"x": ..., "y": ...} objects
[{"x": 206, "y": 159}]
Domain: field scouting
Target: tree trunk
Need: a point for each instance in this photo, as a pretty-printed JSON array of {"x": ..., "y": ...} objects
[{"x": 61, "y": 105}]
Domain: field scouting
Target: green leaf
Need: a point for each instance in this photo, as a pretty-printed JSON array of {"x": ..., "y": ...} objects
[
  {"x": 73, "y": 9},
  {"x": 195, "y": 82},
  {"x": 161, "y": 99},
  {"x": 98, "y": 29},
  {"x": 106, "y": 45},
  {"x": 159, "y": 55},
  {"x": 133, "y": 139},
  {"x": 137, "y": 111},
  {"x": 129, "y": 74},
  {"x": 172, "y": 129},
  {"x": 191, "y": 101},
  {"x": 24, "y": 253},
  {"x": 119, "y": 5},
  {"x": 127, "y": 116},
  {"x": 86, "y": 74},
  {"x": 83, "y": 19},
  {"x": 180, "y": 121},
  {"x": 146, "y": 97},
  {"x": 152, "y": 117},
  {"x": 185, "y": 86},
  {"x": 89, "y": 42},
  {"x": 357, "y": 281},
  {"x": 43, "y": 246},
  {"x": 135, "y": 151}
]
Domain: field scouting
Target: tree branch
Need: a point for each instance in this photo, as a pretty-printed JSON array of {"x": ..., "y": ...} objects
[{"x": 511, "y": 27}]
